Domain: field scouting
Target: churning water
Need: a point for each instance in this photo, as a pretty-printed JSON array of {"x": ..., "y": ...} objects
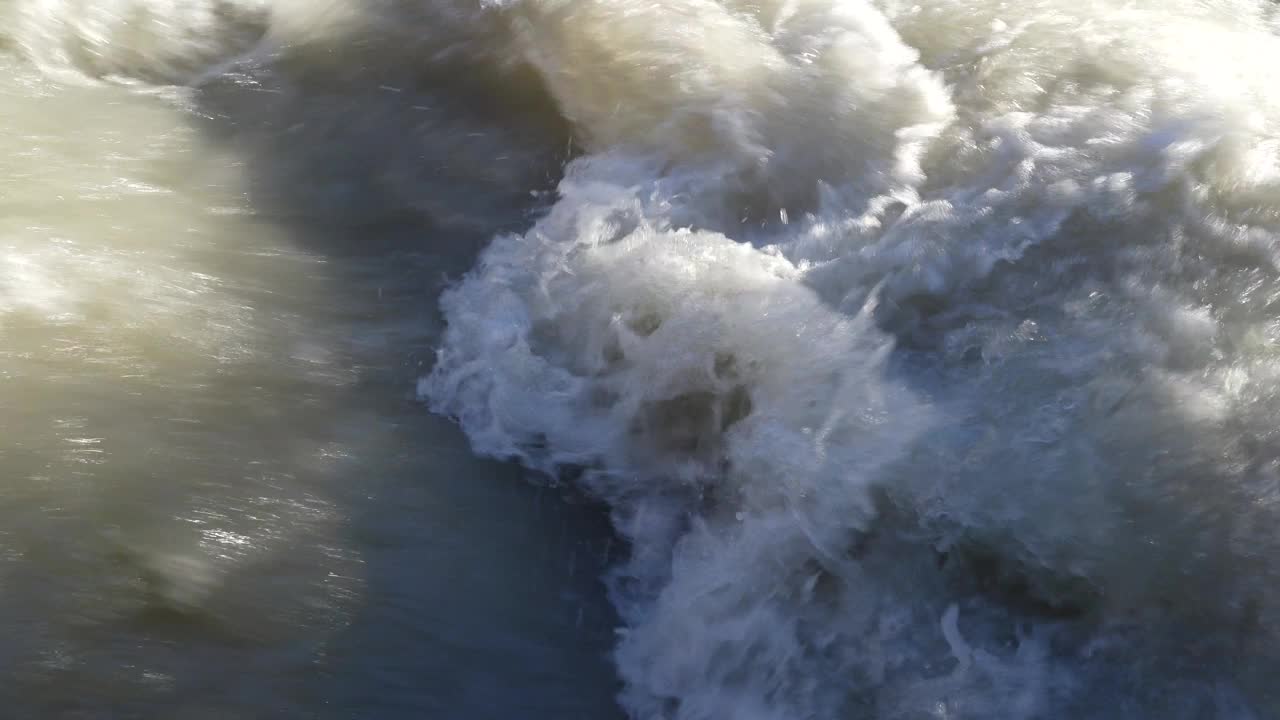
[
  {"x": 926, "y": 356},
  {"x": 221, "y": 498}
]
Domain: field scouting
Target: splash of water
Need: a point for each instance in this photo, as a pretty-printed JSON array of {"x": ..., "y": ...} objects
[{"x": 925, "y": 351}]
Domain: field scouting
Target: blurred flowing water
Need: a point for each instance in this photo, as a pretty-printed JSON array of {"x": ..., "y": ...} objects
[{"x": 221, "y": 498}]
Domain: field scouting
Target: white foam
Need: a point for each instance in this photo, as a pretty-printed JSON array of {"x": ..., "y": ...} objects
[{"x": 1062, "y": 215}]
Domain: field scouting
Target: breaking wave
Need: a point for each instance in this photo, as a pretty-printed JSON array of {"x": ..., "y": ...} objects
[{"x": 925, "y": 352}]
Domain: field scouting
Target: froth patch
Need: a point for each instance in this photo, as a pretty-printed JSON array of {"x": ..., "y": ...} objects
[{"x": 936, "y": 440}]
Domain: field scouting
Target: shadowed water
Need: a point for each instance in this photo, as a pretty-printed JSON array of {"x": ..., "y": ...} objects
[{"x": 221, "y": 498}]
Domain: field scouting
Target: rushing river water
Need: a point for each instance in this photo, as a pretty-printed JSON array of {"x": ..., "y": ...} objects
[
  {"x": 221, "y": 498},
  {"x": 856, "y": 359}
]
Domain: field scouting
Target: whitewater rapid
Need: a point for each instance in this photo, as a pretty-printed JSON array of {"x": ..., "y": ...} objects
[{"x": 925, "y": 353}]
